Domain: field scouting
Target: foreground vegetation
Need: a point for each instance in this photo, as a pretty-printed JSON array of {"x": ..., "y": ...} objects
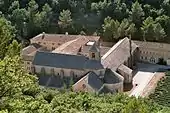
[
  {"x": 162, "y": 92},
  {"x": 20, "y": 93}
]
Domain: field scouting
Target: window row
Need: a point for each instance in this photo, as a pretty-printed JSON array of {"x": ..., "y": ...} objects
[
  {"x": 60, "y": 73},
  {"x": 150, "y": 59}
]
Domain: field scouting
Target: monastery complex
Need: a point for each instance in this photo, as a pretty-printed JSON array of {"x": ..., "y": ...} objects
[{"x": 85, "y": 64}]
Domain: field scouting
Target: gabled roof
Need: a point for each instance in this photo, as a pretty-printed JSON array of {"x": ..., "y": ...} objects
[
  {"x": 94, "y": 48},
  {"x": 125, "y": 69},
  {"x": 50, "y": 81},
  {"x": 112, "y": 77},
  {"x": 92, "y": 80},
  {"x": 118, "y": 54},
  {"x": 61, "y": 38},
  {"x": 104, "y": 89},
  {"x": 72, "y": 47},
  {"x": 152, "y": 45},
  {"x": 85, "y": 50},
  {"x": 66, "y": 61}
]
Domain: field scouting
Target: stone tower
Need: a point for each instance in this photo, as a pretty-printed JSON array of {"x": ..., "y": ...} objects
[{"x": 94, "y": 52}]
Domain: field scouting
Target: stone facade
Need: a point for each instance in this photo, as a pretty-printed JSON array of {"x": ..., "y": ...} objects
[{"x": 152, "y": 52}]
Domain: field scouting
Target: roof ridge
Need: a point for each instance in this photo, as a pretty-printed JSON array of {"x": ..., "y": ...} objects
[{"x": 113, "y": 48}]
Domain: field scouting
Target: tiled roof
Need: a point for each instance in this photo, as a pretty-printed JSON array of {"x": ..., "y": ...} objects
[
  {"x": 92, "y": 80},
  {"x": 65, "y": 61},
  {"x": 61, "y": 38},
  {"x": 118, "y": 54},
  {"x": 72, "y": 47},
  {"x": 85, "y": 50},
  {"x": 28, "y": 50},
  {"x": 50, "y": 81},
  {"x": 111, "y": 77},
  {"x": 152, "y": 45},
  {"x": 125, "y": 69},
  {"x": 104, "y": 89},
  {"x": 94, "y": 48}
]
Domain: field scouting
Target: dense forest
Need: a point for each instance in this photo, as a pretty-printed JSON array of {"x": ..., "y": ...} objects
[{"x": 111, "y": 19}]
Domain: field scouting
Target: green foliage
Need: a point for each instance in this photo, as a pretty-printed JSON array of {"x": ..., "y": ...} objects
[
  {"x": 6, "y": 35},
  {"x": 137, "y": 14},
  {"x": 161, "y": 94},
  {"x": 13, "y": 78},
  {"x": 113, "y": 30},
  {"x": 20, "y": 93},
  {"x": 13, "y": 49},
  {"x": 65, "y": 20},
  {"x": 152, "y": 31}
]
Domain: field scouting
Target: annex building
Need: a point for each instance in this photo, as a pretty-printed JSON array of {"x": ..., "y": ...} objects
[{"x": 82, "y": 63}]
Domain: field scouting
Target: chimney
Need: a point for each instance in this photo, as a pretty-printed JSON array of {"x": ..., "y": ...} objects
[
  {"x": 43, "y": 35},
  {"x": 66, "y": 33}
]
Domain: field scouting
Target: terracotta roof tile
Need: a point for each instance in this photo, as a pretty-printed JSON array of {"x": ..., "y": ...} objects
[{"x": 118, "y": 54}]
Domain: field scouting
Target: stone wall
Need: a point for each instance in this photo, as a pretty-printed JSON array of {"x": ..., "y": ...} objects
[{"x": 151, "y": 51}]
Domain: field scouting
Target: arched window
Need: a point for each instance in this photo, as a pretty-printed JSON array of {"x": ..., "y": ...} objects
[
  {"x": 52, "y": 72},
  {"x": 93, "y": 55},
  {"x": 33, "y": 69},
  {"x": 84, "y": 86},
  {"x": 72, "y": 73},
  {"x": 43, "y": 71},
  {"x": 62, "y": 73}
]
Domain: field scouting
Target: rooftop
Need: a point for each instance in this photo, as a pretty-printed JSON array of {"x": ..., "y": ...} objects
[
  {"x": 65, "y": 61},
  {"x": 118, "y": 54},
  {"x": 72, "y": 47},
  {"x": 61, "y": 38}
]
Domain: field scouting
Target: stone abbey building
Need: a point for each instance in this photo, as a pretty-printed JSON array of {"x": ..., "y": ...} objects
[{"x": 81, "y": 62}]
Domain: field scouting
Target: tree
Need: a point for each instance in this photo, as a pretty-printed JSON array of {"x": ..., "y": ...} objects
[
  {"x": 152, "y": 31},
  {"x": 18, "y": 17},
  {"x": 33, "y": 18},
  {"x": 137, "y": 14},
  {"x": 13, "y": 49},
  {"x": 45, "y": 17},
  {"x": 126, "y": 28},
  {"x": 166, "y": 7},
  {"x": 159, "y": 32},
  {"x": 148, "y": 29},
  {"x": 165, "y": 23},
  {"x": 13, "y": 78},
  {"x": 113, "y": 30},
  {"x": 110, "y": 29},
  {"x": 6, "y": 35},
  {"x": 65, "y": 20}
]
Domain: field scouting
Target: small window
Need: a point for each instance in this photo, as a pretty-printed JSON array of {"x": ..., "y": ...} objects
[
  {"x": 62, "y": 72},
  {"x": 53, "y": 48},
  {"x": 141, "y": 57},
  {"x": 84, "y": 86},
  {"x": 39, "y": 42},
  {"x": 44, "y": 43},
  {"x": 52, "y": 43},
  {"x": 93, "y": 55}
]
